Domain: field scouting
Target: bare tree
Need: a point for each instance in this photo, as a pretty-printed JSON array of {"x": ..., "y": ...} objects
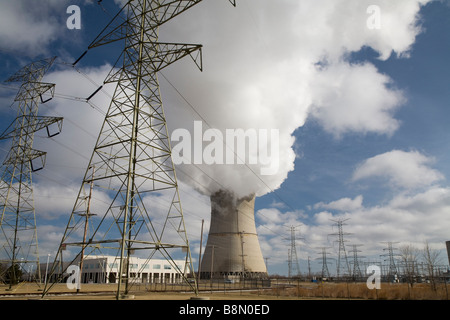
[
  {"x": 431, "y": 258},
  {"x": 409, "y": 256}
]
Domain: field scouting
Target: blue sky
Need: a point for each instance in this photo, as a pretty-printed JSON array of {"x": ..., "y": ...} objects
[{"x": 368, "y": 109}]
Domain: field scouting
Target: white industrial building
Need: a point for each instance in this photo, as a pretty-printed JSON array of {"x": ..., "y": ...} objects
[{"x": 105, "y": 269}]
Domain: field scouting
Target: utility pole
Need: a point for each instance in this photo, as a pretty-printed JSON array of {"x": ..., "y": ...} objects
[
  {"x": 309, "y": 269},
  {"x": 86, "y": 215},
  {"x": 18, "y": 231},
  {"x": 132, "y": 156},
  {"x": 241, "y": 235},
  {"x": 200, "y": 255},
  {"x": 342, "y": 254}
]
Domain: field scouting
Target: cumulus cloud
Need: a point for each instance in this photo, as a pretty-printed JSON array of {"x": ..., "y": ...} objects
[
  {"x": 342, "y": 26},
  {"x": 273, "y": 225},
  {"x": 355, "y": 98},
  {"x": 30, "y": 29},
  {"x": 68, "y": 153},
  {"x": 406, "y": 219},
  {"x": 344, "y": 204},
  {"x": 407, "y": 170}
]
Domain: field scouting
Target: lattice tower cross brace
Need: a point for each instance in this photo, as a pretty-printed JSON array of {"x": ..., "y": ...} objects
[{"x": 18, "y": 219}]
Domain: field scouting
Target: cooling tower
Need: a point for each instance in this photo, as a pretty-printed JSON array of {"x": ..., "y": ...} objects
[
  {"x": 448, "y": 250},
  {"x": 232, "y": 249}
]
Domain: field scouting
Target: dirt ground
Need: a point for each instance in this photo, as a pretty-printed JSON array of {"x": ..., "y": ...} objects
[{"x": 108, "y": 292}]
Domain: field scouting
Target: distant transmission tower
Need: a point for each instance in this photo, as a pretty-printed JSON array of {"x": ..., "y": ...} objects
[
  {"x": 356, "y": 274},
  {"x": 342, "y": 261},
  {"x": 293, "y": 265},
  {"x": 325, "y": 271},
  {"x": 135, "y": 190},
  {"x": 392, "y": 267},
  {"x": 18, "y": 238}
]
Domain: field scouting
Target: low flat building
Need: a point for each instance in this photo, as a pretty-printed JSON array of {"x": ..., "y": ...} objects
[{"x": 105, "y": 269}]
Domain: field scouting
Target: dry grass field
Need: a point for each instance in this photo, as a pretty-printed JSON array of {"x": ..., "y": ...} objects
[
  {"x": 388, "y": 291},
  {"x": 278, "y": 291}
]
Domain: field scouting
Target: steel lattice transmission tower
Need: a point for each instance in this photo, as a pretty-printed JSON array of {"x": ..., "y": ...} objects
[
  {"x": 392, "y": 273},
  {"x": 342, "y": 254},
  {"x": 134, "y": 171},
  {"x": 293, "y": 265},
  {"x": 325, "y": 271},
  {"x": 356, "y": 274},
  {"x": 18, "y": 238}
]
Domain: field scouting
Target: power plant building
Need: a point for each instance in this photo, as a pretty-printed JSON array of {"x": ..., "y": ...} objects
[
  {"x": 105, "y": 269},
  {"x": 232, "y": 249}
]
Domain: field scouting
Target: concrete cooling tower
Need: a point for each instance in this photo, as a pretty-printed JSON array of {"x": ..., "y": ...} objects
[
  {"x": 232, "y": 249},
  {"x": 448, "y": 250}
]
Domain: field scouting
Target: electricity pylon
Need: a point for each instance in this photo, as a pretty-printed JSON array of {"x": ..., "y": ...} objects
[
  {"x": 293, "y": 265},
  {"x": 135, "y": 195},
  {"x": 18, "y": 238},
  {"x": 325, "y": 271},
  {"x": 356, "y": 274},
  {"x": 392, "y": 267},
  {"x": 342, "y": 254}
]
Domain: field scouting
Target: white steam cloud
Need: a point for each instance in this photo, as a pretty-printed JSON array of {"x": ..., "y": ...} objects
[{"x": 271, "y": 65}]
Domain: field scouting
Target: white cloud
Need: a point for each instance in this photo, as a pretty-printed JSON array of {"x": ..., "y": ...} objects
[
  {"x": 68, "y": 153},
  {"x": 413, "y": 218},
  {"x": 30, "y": 29},
  {"x": 49, "y": 237},
  {"x": 354, "y": 98},
  {"x": 344, "y": 204},
  {"x": 402, "y": 169},
  {"x": 405, "y": 219},
  {"x": 273, "y": 227},
  {"x": 398, "y": 28},
  {"x": 54, "y": 200},
  {"x": 431, "y": 202}
]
